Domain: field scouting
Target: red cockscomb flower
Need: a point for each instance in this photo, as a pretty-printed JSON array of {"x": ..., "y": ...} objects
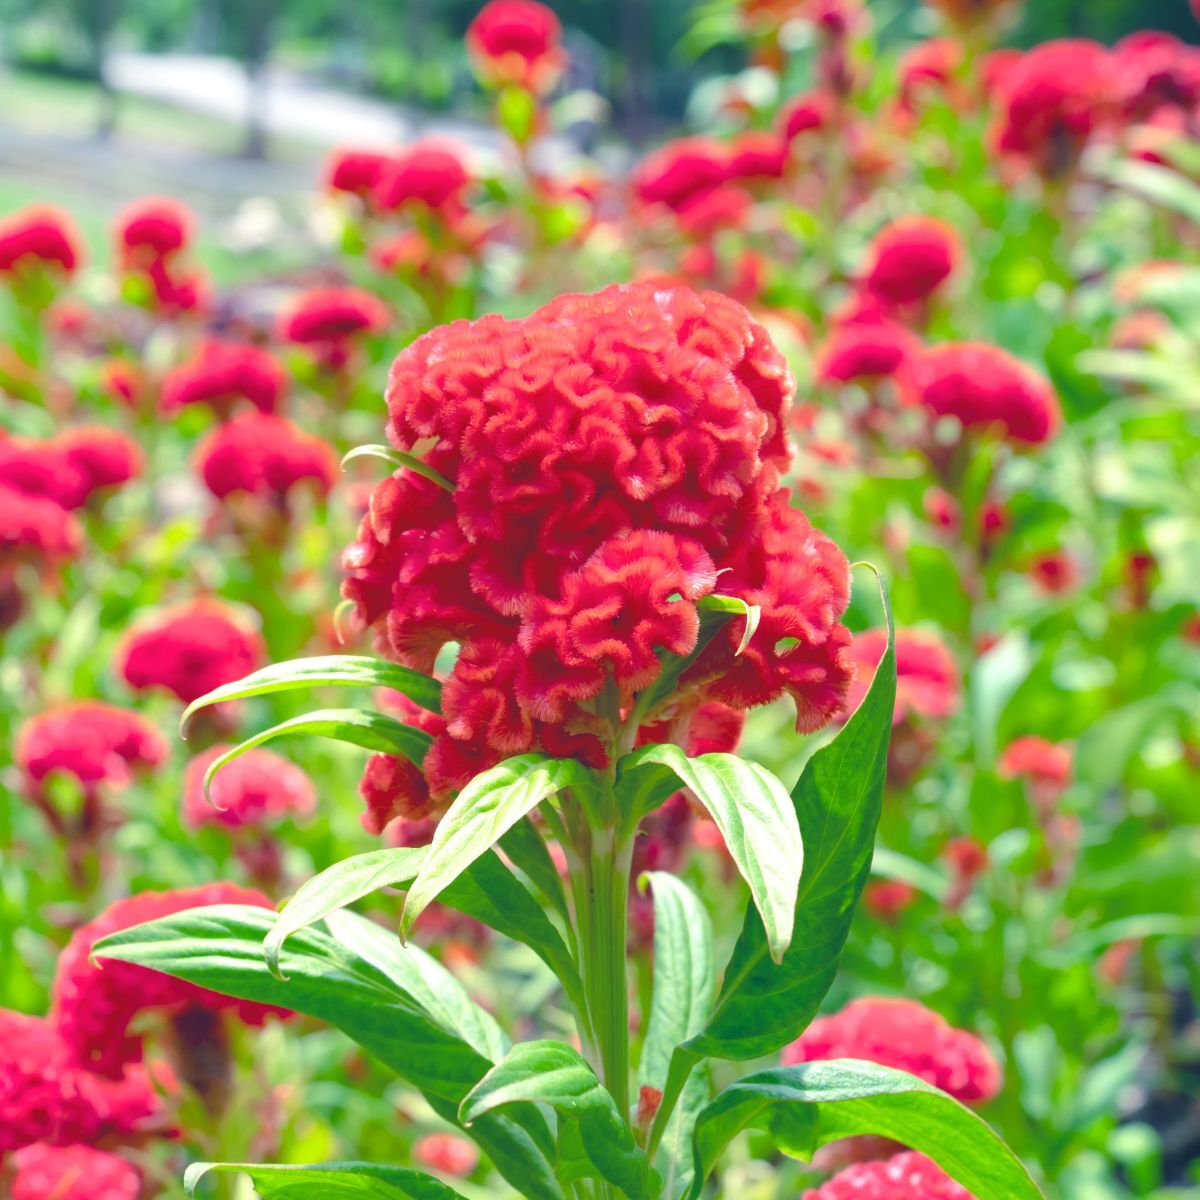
[
  {"x": 44, "y": 1172},
  {"x": 257, "y": 788},
  {"x": 1051, "y": 101},
  {"x": 93, "y": 1003},
  {"x": 888, "y": 898},
  {"x": 927, "y": 683},
  {"x": 756, "y": 154},
  {"x": 355, "y": 172},
  {"x": 45, "y": 1096},
  {"x": 909, "y": 259},
  {"x": 446, "y": 1153},
  {"x": 430, "y": 173},
  {"x": 1056, "y": 572},
  {"x": 906, "y": 1035},
  {"x": 967, "y": 859},
  {"x": 38, "y": 237},
  {"x": 1156, "y": 71},
  {"x": 150, "y": 229},
  {"x": 327, "y": 320},
  {"x": 190, "y": 649},
  {"x": 264, "y": 455},
  {"x": 36, "y": 529},
  {"x": 96, "y": 743},
  {"x": 864, "y": 351},
  {"x": 984, "y": 386},
  {"x": 104, "y": 458},
  {"x": 1040, "y": 761},
  {"x": 175, "y": 290},
  {"x": 905, "y": 1176},
  {"x": 516, "y": 43},
  {"x": 807, "y": 113},
  {"x": 615, "y": 458},
  {"x": 681, "y": 173},
  {"x": 220, "y": 374}
]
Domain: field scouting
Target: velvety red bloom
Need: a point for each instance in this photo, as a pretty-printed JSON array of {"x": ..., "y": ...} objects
[
  {"x": 38, "y": 237},
  {"x": 1056, "y": 573},
  {"x": 1051, "y": 101},
  {"x": 757, "y": 154},
  {"x": 430, "y": 173},
  {"x": 611, "y": 455},
  {"x": 681, "y": 173},
  {"x": 93, "y": 1003},
  {"x": 36, "y": 529},
  {"x": 220, "y": 374},
  {"x": 264, "y": 455},
  {"x": 927, "y": 683},
  {"x": 356, "y": 172},
  {"x": 905, "y": 1176},
  {"x": 865, "y": 350},
  {"x": 45, "y": 1096},
  {"x": 928, "y": 66},
  {"x": 910, "y": 258},
  {"x": 888, "y": 898},
  {"x": 150, "y": 229},
  {"x": 447, "y": 1154},
  {"x": 984, "y": 386},
  {"x": 190, "y": 649},
  {"x": 906, "y": 1035},
  {"x": 45, "y": 1172},
  {"x": 1155, "y": 71},
  {"x": 70, "y": 467},
  {"x": 806, "y": 113},
  {"x": 104, "y": 458},
  {"x": 327, "y": 320},
  {"x": 516, "y": 42},
  {"x": 257, "y": 788},
  {"x": 1040, "y": 761},
  {"x": 96, "y": 743},
  {"x": 394, "y": 790}
]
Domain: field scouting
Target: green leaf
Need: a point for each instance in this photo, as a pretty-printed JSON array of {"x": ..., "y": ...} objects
[
  {"x": 553, "y": 1073},
  {"x": 528, "y": 851},
  {"x": 712, "y": 621},
  {"x": 736, "y": 606},
  {"x": 808, "y": 1106},
  {"x": 399, "y": 460},
  {"x": 684, "y": 985},
  {"x": 339, "y": 886},
  {"x": 763, "y": 1005},
  {"x": 332, "y": 670},
  {"x": 401, "y": 1006},
  {"x": 484, "y": 811},
  {"x": 357, "y": 727},
  {"x": 1157, "y": 184},
  {"x": 363, "y": 1181},
  {"x": 756, "y": 817}
]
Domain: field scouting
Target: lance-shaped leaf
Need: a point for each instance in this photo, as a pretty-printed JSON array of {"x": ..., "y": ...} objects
[
  {"x": 763, "y": 1005},
  {"x": 352, "y": 1180},
  {"x": 684, "y": 983},
  {"x": 734, "y": 606},
  {"x": 332, "y": 670},
  {"x": 558, "y": 1075},
  {"x": 526, "y": 848},
  {"x": 483, "y": 812},
  {"x": 808, "y": 1106},
  {"x": 403, "y": 1008},
  {"x": 356, "y": 727},
  {"x": 755, "y": 815},
  {"x": 398, "y": 459}
]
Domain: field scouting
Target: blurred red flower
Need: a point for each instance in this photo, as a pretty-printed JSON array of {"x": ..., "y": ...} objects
[
  {"x": 328, "y": 320},
  {"x": 356, "y": 172},
  {"x": 220, "y": 374},
  {"x": 927, "y": 682},
  {"x": 430, "y": 173},
  {"x": 151, "y": 229},
  {"x": 256, "y": 789},
  {"x": 516, "y": 43},
  {"x": 264, "y": 455},
  {"x": 905, "y": 1176},
  {"x": 909, "y": 259},
  {"x": 446, "y": 1153},
  {"x": 45, "y": 1172},
  {"x": 39, "y": 237}
]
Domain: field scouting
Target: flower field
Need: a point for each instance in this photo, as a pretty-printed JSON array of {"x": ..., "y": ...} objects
[{"x": 667, "y": 674}]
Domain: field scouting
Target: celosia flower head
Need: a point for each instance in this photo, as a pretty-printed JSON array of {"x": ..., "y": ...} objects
[
  {"x": 681, "y": 173},
  {"x": 96, "y": 743},
  {"x": 355, "y": 172},
  {"x": 905, "y": 1035},
  {"x": 904, "y": 1176},
  {"x": 517, "y": 42},
  {"x": 38, "y": 238},
  {"x": 430, "y": 173},
  {"x": 1038, "y": 760},
  {"x": 150, "y": 229},
  {"x": 102, "y": 457},
  {"x": 446, "y": 1153},
  {"x": 927, "y": 681},
  {"x": 45, "y": 1172},
  {"x": 984, "y": 387},
  {"x": 94, "y": 1003},
  {"x": 328, "y": 320},
  {"x": 221, "y": 374},
  {"x": 1155, "y": 71},
  {"x": 256, "y": 789},
  {"x": 264, "y": 455},
  {"x": 613, "y": 458},
  {"x": 806, "y": 113},
  {"x": 36, "y": 529},
  {"x": 909, "y": 259},
  {"x": 190, "y": 649},
  {"x": 862, "y": 351}
]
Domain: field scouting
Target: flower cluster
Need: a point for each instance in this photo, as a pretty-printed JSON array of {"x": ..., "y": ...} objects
[
  {"x": 152, "y": 239},
  {"x": 39, "y": 238},
  {"x": 190, "y": 649},
  {"x": 909, "y": 259},
  {"x": 71, "y": 467},
  {"x": 329, "y": 321},
  {"x": 72, "y": 1173},
  {"x": 904, "y": 1176},
  {"x": 903, "y": 1034},
  {"x": 94, "y": 1003},
  {"x": 516, "y": 43},
  {"x": 613, "y": 458},
  {"x": 221, "y": 375},
  {"x": 927, "y": 683},
  {"x": 256, "y": 789}
]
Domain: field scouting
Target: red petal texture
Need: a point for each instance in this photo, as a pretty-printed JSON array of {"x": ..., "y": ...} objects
[
  {"x": 905, "y": 1176},
  {"x": 910, "y": 258},
  {"x": 927, "y": 681},
  {"x": 256, "y": 789},
  {"x": 44, "y": 1172}
]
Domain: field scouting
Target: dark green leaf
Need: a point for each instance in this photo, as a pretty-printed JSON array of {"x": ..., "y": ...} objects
[
  {"x": 333, "y": 670},
  {"x": 526, "y": 848},
  {"x": 756, "y": 817},
  {"x": 808, "y": 1106},
  {"x": 553, "y": 1073},
  {"x": 361, "y": 1181}
]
